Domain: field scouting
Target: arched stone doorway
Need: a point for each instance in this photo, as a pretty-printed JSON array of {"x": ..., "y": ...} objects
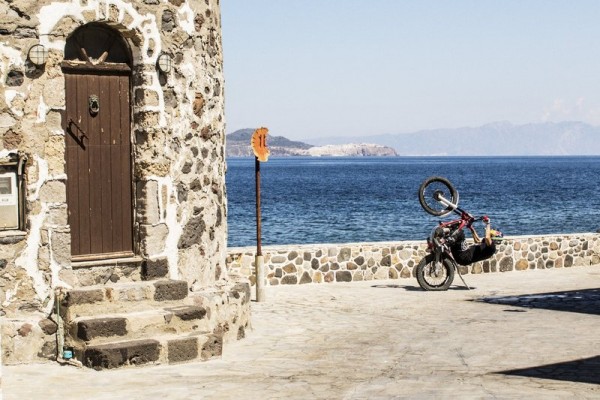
[{"x": 97, "y": 70}]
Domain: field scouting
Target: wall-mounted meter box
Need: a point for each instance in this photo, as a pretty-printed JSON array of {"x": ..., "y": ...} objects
[{"x": 9, "y": 201}]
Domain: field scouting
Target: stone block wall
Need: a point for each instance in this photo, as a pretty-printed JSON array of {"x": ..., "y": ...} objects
[
  {"x": 177, "y": 137},
  {"x": 329, "y": 263}
]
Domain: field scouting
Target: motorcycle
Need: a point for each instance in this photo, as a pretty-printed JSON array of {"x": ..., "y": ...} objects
[{"x": 439, "y": 197}]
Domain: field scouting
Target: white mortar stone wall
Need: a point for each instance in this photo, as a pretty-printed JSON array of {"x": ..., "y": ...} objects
[
  {"x": 177, "y": 136},
  {"x": 329, "y": 263}
]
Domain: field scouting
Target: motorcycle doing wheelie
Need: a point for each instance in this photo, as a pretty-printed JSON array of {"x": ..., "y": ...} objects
[{"x": 437, "y": 269}]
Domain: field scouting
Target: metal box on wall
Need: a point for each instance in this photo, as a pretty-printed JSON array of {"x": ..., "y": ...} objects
[{"x": 9, "y": 201}]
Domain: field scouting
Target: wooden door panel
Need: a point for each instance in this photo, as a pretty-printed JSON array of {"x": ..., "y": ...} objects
[
  {"x": 98, "y": 158},
  {"x": 83, "y": 181},
  {"x": 115, "y": 156},
  {"x": 125, "y": 150},
  {"x": 95, "y": 169}
]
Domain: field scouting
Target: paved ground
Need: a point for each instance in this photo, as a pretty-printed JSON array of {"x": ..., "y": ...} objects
[{"x": 515, "y": 336}]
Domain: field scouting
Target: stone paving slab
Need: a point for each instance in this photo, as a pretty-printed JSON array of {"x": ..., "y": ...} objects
[{"x": 379, "y": 340}]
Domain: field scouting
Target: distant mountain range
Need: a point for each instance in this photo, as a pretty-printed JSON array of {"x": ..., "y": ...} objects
[
  {"x": 238, "y": 145},
  {"x": 499, "y": 138}
]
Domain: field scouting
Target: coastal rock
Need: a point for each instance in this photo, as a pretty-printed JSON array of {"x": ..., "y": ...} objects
[
  {"x": 352, "y": 150},
  {"x": 238, "y": 145}
]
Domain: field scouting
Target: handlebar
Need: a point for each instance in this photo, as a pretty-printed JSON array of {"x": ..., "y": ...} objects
[{"x": 470, "y": 219}]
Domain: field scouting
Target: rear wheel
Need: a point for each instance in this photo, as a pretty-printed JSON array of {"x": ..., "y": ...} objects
[
  {"x": 435, "y": 277},
  {"x": 431, "y": 190}
]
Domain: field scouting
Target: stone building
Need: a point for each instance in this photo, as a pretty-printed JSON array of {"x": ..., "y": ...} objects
[{"x": 112, "y": 183}]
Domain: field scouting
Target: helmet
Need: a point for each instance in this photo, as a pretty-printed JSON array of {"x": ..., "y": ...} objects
[{"x": 496, "y": 236}]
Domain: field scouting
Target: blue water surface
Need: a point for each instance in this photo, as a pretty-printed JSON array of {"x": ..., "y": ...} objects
[{"x": 363, "y": 199}]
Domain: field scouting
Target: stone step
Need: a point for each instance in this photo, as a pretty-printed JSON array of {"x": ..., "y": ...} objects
[
  {"x": 100, "y": 329},
  {"x": 164, "y": 349},
  {"x": 119, "y": 270},
  {"x": 151, "y": 322},
  {"x": 122, "y": 296}
]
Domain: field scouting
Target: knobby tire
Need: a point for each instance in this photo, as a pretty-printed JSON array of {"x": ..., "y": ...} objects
[
  {"x": 428, "y": 201},
  {"x": 424, "y": 273}
]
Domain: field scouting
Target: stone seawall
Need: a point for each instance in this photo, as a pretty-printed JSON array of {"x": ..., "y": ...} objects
[{"x": 328, "y": 263}]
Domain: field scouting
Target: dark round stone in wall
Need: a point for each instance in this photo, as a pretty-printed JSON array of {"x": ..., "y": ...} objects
[
  {"x": 168, "y": 21},
  {"x": 24, "y": 33},
  {"x": 198, "y": 22},
  {"x": 198, "y": 104},
  {"x": 192, "y": 233},
  {"x": 289, "y": 280},
  {"x": 15, "y": 78},
  {"x": 219, "y": 217},
  {"x": 182, "y": 192},
  {"x": 187, "y": 167},
  {"x": 48, "y": 326},
  {"x": 343, "y": 276},
  {"x": 170, "y": 98},
  {"x": 305, "y": 278}
]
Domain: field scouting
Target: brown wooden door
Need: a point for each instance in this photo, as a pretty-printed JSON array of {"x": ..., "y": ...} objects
[{"x": 98, "y": 164}]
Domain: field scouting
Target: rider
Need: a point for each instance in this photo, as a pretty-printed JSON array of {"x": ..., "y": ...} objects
[{"x": 481, "y": 250}]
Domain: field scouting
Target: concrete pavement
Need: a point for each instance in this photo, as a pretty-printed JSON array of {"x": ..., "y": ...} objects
[{"x": 379, "y": 340}]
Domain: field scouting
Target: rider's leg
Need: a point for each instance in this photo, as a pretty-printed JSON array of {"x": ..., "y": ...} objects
[{"x": 488, "y": 235}]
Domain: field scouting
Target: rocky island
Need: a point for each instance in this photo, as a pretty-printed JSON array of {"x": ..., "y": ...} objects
[
  {"x": 352, "y": 150},
  {"x": 238, "y": 145}
]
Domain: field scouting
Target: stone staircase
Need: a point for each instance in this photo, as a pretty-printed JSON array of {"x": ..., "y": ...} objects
[{"x": 157, "y": 321}]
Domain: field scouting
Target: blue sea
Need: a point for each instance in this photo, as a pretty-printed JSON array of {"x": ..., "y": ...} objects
[{"x": 342, "y": 200}]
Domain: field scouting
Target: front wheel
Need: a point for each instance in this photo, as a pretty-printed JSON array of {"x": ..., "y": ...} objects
[
  {"x": 435, "y": 277},
  {"x": 431, "y": 190}
]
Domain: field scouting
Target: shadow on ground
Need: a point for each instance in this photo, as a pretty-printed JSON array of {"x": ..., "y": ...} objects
[
  {"x": 411, "y": 288},
  {"x": 584, "y": 371},
  {"x": 581, "y": 301}
]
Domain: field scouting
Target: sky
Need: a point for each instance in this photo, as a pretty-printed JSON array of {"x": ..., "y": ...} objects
[{"x": 324, "y": 68}]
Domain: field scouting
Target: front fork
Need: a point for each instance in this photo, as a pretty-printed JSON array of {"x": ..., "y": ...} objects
[{"x": 438, "y": 261}]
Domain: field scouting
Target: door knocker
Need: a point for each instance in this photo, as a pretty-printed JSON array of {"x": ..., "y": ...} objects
[{"x": 94, "y": 102}]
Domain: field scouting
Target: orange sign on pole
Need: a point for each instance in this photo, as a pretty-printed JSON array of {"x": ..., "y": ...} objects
[{"x": 258, "y": 142}]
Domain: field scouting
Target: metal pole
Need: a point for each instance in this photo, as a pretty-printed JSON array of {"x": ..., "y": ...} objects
[{"x": 259, "y": 261}]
